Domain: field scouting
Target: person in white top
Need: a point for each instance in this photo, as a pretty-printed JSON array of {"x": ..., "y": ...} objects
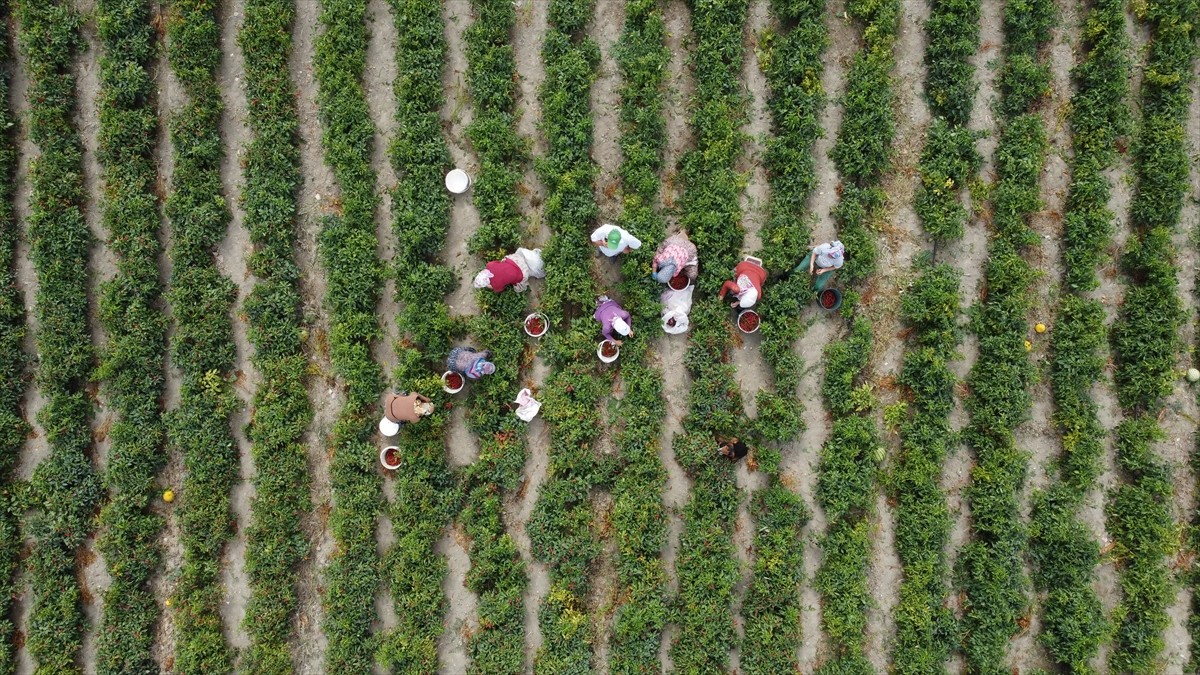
[
  {"x": 822, "y": 261},
  {"x": 613, "y": 241}
]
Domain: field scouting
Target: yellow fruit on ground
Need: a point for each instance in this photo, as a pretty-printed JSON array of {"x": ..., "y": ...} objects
[
  {"x": 168, "y": 602},
  {"x": 1028, "y": 346},
  {"x": 1041, "y": 328},
  {"x": 168, "y": 496}
]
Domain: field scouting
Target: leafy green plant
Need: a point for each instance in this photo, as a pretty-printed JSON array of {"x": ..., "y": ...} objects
[
  {"x": 131, "y": 368},
  {"x": 276, "y": 544},
  {"x": 638, "y": 516},
  {"x": 347, "y": 247},
  {"x": 990, "y": 569},
  {"x": 202, "y": 345},
  {"x": 64, "y": 491},
  {"x": 13, "y": 428},
  {"x": 421, "y": 219}
]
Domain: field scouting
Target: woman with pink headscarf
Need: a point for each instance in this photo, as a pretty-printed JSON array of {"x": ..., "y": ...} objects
[{"x": 676, "y": 255}]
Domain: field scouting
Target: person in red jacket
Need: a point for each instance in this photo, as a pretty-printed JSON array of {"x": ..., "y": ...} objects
[{"x": 747, "y": 284}]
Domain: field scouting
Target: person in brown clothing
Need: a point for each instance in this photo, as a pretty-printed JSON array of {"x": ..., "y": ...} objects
[{"x": 401, "y": 409}]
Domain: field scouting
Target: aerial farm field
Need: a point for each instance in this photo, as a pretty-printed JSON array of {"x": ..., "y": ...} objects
[{"x": 226, "y": 233}]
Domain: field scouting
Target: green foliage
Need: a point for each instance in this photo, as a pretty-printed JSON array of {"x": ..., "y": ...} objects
[
  {"x": 990, "y": 568},
  {"x": 638, "y": 516},
  {"x": 13, "y": 427},
  {"x": 131, "y": 368},
  {"x": 202, "y": 345},
  {"x": 276, "y": 544},
  {"x": 427, "y": 494},
  {"x": 347, "y": 247},
  {"x": 952, "y": 31},
  {"x": 1146, "y": 338},
  {"x": 948, "y": 162},
  {"x": 64, "y": 491},
  {"x": 711, "y": 214},
  {"x": 926, "y": 631}
]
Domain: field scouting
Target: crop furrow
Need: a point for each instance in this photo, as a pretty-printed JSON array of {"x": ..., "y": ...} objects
[
  {"x": 1146, "y": 341},
  {"x": 926, "y": 631},
  {"x": 131, "y": 311},
  {"x": 561, "y": 528},
  {"x": 64, "y": 490},
  {"x": 497, "y": 573},
  {"x": 347, "y": 246},
  {"x": 426, "y": 491},
  {"x": 848, "y": 467},
  {"x": 638, "y": 516},
  {"x": 990, "y": 567},
  {"x": 13, "y": 428},
  {"x": 793, "y": 65},
  {"x": 202, "y": 346},
  {"x": 1065, "y": 553},
  {"x": 711, "y": 214},
  {"x": 276, "y": 544}
]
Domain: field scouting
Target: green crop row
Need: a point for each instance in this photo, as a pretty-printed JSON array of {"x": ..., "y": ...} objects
[
  {"x": 13, "y": 428},
  {"x": 202, "y": 346},
  {"x": 791, "y": 60},
  {"x": 347, "y": 247},
  {"x": 707, "y": 566},
  {"x": 497, "y": 572},
  {"x": 1064, "y": 551},
  {"x": 1146, "y": 339},
  {"x": 848, "y": 467},
  {"x": 64, "y": 491},
  {"x": 427, "y": 494},
  {"x": 276, "y": 544},
  {"x": 990, "y": 567},
  {"x": 131, "y": 369},
  {"x": 926, "y": 631},
  {"x": 561, "y": 528},
  {"x": 638, "y": 516}
]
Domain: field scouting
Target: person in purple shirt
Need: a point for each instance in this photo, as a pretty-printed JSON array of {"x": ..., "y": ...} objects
[{"x": 612, "y": 319}]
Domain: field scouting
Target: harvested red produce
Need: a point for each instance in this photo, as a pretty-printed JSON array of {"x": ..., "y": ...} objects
[
  {"x": 748, "y": 321},
  {"x": 454, "y": 380},
  {"x": 535, "y": 325},
  {"x": 678, "y": 282},
  {"x": 608, "y": 349},
  {"x": 391, "y": 457},
  {"x": 828, "y": 299}
]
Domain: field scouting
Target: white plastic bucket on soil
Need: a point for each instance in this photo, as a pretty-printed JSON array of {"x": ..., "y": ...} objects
[
  {"x": 540, "y": 317},
  {"x": 457, "y": 181},
  {"x": 446, "y": 384},
  {"x": 389, "y": 457},
  {"x": 600, "y": 351}
]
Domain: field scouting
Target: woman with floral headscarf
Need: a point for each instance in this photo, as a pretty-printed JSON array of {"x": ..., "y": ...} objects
[
  {"x": 470, "y": 362},
  {"x": 676, "y": 255}
]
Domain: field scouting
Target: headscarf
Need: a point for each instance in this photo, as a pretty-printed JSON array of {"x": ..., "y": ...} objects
[
  {"x": 483, "y": 279},
  {"x": 747, "y": 293},
  {"x": 620, "y": 326},
  {"x": 665, "y": 271},
  {"x": 479, "y": 368}
]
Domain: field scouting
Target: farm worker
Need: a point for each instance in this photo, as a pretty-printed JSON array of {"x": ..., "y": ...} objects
[
  {"x": 733, "y": 448},
  {"x": 676, "y": 255},
  {"x": 612, "y": 319},
  {"x": 675, "y": 308},
  {"x": 747, "y": 284},
  {"x": 613, "y": 241},
  {"x": 470, "y": 362},
  {"x": 401, "y": 409},
  {"x": 822, "y": 261},
  {"x": 513, "y": 270}
]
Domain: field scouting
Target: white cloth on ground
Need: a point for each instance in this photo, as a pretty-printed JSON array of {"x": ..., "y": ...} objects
[
  {"x": 527, "y": 405},
  {"x": 676, "y": 305}
]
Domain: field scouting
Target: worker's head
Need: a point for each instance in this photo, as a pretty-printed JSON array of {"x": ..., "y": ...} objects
[
  {"x": 487, "y": 368},
  {"x": 614, "y": 239},
  {"x": 483, "y": 279},
  {"x": 665, "y": 271},
  {"x": 424, "y": 408},
  {"x": 388, "y": 428},
  {"x": 747, "y": 298},
  {"x": 621, "y": 326}
]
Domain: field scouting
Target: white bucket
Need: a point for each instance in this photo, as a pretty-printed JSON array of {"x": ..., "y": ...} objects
[
  {"x": 607, "y": 359},
  {"x": 446, "y": 382},
  {"x": 457, "y": 181},
  {"x": 383, "y": 458}
]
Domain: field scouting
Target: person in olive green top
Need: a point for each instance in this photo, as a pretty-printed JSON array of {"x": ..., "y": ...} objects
[{"x": 403, "y": 408}]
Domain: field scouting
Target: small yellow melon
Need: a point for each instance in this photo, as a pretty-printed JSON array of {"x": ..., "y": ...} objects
[
  {"x": 1028, "y": 346},
  {"x": 168, "y": 496},
  {"x": 1041, "y": 328}
]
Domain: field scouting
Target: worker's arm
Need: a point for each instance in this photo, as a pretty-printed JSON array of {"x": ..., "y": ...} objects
[
  {"x": 423, "y": 399},
  {"x": 728, "y": 286}
]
